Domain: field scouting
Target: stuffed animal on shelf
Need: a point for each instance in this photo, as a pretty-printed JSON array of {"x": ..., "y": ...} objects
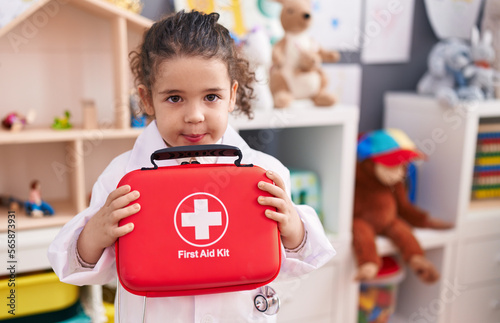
[
  {"x": 491, "y": 22},
  {"x": 256, "y": 45},
  {"x": 382, "y": 207},
  {"x": 483, "y": 56},
  {"x": 296, "y": 72},
  {"x": 449, "y": 73}
]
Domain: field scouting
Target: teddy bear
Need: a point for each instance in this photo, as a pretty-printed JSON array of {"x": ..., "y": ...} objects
[
  {"x": 382, "y": 206},
  {"x": 296, "y": 72}
]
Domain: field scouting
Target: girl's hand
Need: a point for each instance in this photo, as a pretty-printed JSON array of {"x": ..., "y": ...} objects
[
  {"x": 102, "y": 230},
  {"x": 289, "y": 222}
]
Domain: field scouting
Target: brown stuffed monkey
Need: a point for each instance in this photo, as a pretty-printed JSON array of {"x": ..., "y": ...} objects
[{"x": 382, "y": 207}]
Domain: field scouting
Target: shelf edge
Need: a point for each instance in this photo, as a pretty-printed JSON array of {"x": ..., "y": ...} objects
[
  {"x": 49, "y": 135},
  {"x": 428, "y": 239}
]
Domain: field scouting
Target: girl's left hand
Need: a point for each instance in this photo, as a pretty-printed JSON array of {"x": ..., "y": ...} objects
[{"x": 289, "y": 223}]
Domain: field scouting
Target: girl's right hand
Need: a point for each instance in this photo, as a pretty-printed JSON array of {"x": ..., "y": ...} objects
[{"x": 102, "y": 230}]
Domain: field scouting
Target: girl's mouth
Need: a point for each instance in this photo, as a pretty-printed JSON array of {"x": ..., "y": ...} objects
[{"x": 194, "y": 138}]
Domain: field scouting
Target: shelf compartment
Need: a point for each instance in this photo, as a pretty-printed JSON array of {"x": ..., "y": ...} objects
[
  {"x": 47, "y": 162},
  {"x": 32, "y": 252},
  {"x": 484, "y": 208},
  {"x": 481, "y": 260},
  {"x": 109, "y": 10},
  {"x": 97, "y": 7},
  {"x": 94, "y": 56},
  {"x": 79, "y": 63},
  {"x": 480, "y": 224},
  {"x": 64, "y": 211},
  {"x": 448, "y": 136},
  {"x": 295, "y": 295},
  {"x": 477, "y": 305},
  {"x": 332, "y": 159},
  {"x": 98, "y": 155},
  {"x": 486, "y": 175},
  {"x": 415, "y": 295}
]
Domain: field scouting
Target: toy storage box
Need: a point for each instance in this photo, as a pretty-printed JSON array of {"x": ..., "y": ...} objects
[
  {"x": 36, "y": 294},
  {"x": 377, "y": 297},
  {"x": 306, "y": 189}
]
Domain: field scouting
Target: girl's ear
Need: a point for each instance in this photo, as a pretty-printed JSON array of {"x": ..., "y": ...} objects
[
  {"x": 146, "y": 99},
  {"x": 234, "y": 91}
]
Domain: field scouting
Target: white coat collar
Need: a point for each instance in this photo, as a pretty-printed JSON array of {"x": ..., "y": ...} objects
[{"x": 150, "y": 140}]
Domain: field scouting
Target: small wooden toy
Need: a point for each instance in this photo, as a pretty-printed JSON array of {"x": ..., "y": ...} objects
[
  {"x": 62, "y": 123},
  {"x": 16, "y": 121},
  {"x": 35, "y": 206}
]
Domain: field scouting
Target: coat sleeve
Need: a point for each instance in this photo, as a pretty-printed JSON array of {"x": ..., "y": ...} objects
[
  {"x": 315, "y": 250},
  {"x": 62, "y": 251}
]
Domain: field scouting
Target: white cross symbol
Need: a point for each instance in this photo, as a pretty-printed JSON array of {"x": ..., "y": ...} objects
[{"x": 201, "y": 219}]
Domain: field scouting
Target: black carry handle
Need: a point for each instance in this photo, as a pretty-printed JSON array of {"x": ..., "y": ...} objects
[{"x": 197, "y": 151}]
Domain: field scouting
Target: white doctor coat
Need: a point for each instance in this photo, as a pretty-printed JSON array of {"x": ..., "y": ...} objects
[{"x": 226, "y": 307}]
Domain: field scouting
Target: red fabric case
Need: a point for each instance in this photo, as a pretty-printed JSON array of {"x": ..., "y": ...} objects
[{"x": 200, "y": 229}]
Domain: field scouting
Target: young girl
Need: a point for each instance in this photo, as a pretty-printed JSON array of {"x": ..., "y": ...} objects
[{"x": 189, "y": 77}]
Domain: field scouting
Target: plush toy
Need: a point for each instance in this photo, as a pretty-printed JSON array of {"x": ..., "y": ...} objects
[
  {"x": 448, "y": 76},
  {"x": 296, "y": 72},
  {"x": 491, "y": 21},
  {"x": 461, "y": 71},
  {"x": 256, "y": 46},
  {"x": 381, "y": 205},
  {"x": 485, "y": 75}
]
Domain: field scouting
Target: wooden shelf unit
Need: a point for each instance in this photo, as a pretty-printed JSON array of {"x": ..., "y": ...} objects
[{"x": 54, "y": 55}]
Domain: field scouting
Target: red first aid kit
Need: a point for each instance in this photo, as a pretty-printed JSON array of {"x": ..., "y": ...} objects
[{"x": 200, "y": 229}]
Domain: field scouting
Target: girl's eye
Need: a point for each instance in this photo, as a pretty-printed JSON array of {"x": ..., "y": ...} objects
[
  {"x": 211, "y": 97},
  {"x": 174, "y": 99}
]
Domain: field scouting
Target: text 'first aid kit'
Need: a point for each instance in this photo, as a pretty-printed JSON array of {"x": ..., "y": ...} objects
[{"x": 200, "y": 228}]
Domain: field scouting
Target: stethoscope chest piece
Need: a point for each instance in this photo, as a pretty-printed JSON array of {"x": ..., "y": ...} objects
[{"x": 267, "y": 301}]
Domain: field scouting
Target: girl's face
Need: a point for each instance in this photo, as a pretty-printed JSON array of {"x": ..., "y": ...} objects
[{"x": 191, "y": 100}]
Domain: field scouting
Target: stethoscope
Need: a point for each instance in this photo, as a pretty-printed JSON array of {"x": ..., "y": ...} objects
[{"x": 266, "y": 301}]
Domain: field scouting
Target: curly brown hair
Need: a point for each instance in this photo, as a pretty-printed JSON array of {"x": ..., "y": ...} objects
[{"x": 192, "y": 34}]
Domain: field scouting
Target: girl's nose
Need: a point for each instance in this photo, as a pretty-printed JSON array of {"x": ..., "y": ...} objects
[{"x": 194, "y": 114}]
